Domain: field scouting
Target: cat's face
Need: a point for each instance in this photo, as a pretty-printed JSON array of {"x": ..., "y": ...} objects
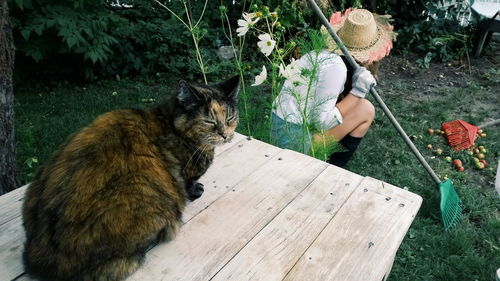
[{"x": 210, "y": 112}]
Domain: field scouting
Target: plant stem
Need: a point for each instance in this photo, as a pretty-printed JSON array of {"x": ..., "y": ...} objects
[
  {"x": 237, "y": 59},
  {"x": 192, "y": 29}
]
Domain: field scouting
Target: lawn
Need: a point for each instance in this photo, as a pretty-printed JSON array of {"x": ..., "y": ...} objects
[{"x": 419, "y": 98}]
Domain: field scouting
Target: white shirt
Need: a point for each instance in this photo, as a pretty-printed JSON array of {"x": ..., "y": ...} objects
[{"x": 318, "y": 106}]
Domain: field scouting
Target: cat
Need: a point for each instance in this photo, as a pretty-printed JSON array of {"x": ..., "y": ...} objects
[{"x": 118, "y": 186}]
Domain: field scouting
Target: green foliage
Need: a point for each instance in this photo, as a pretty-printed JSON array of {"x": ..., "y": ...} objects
[
  {"x": 93, "y": 38},
  {"x": 430, "y": 29},
  {"x": 440, "y": 39},
  {"x": 48, "y": 29}
]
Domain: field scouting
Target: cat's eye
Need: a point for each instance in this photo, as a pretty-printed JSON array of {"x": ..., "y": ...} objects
[{"x": 209, "y": 122}]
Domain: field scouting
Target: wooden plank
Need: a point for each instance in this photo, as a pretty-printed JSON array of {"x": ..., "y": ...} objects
[
  {"x": 228, "y": 169},
  {"x": 273, "y": 252},
  {"x": 361, "y": 240},
  {"x": 206, "y": 243},
  {"x": 10, "y": 204},
  {"x": 11, "y": 249}
]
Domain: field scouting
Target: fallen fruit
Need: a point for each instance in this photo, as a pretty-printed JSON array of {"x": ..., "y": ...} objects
[
  {"x": 429, "y": 146},
  {"x": 484, "y": 162},
  {"x": 470, "y": 152},
  {"x": 479, "y": 165},
  {"x": 483, "y": 135},
  {"x": 480, "y": 155},
  {"x": 460, "y": 169},
  {"x": 439, "y": 151},
  {"x": 448, "y": 159},
  {"x": 480, "y": 131},
  {"x": 482, "y": 150},
  {"x": 457, "y": 162},
  {"x": 430, "y": 131},
  {"x": 476, "y": 150},
  {"x": 475, "y": 159}
]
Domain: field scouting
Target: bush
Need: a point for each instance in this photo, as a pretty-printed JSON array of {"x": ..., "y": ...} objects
[
  {"x": 87, "y": 39},
  {"x": 81, "y": 29}
]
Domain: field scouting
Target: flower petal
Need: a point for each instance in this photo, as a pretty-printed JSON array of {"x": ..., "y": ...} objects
[
  {"x": 242, "y": 31},
  {"x": 264, "y": 37},
  {"x": 259, "y": 79}
]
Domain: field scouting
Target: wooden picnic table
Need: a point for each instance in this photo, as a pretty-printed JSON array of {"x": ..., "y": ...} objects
[{"x": 266, "y": 214}]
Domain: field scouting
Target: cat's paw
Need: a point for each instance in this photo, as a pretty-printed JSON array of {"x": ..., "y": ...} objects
[{"x": 195, "y": 191}]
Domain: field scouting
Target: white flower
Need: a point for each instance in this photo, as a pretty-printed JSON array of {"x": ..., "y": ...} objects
[
  {"x": 246, "y": 23},
  {"x": 266, "y": 44},
  {"x": 259, "y": 79},
  {"x": 290, "y": 71}
]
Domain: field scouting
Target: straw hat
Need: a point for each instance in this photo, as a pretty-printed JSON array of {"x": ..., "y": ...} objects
[{"x": 367, "y": 36}]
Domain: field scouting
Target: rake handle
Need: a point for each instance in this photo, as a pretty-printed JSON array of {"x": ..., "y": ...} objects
[{"x": 374, "y": 93}]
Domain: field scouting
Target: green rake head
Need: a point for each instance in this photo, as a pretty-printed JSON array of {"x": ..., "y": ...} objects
[{"x": 451, "y": 206}]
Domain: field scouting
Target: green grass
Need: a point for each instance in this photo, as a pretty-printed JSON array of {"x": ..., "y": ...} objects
[{"x": 45, "y": 116}]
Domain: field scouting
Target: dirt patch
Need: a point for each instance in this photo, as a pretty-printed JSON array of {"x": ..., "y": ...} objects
[{"x": 428, "y": 83}]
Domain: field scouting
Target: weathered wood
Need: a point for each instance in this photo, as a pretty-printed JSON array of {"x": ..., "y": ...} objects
[
  {"x": 228, "y": 169},
  {"x": 206, "y": 243},
  {"x": 276, "y": 220},
  {"x": 11, "y": 249},
  {"x": 359, "y": 242},
  {"x": 273, "y": 252},
  {"x": 10, "y": 204}
]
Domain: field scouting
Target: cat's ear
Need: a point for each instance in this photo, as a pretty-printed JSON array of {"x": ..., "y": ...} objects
[
  {"x": 188, "y": 95},
  {"x": 231, "y": 87}
]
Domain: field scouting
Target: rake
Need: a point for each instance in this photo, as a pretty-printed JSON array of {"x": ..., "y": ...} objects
[
  {"x": 451, "y": 207},
  {"x": 462, "y": 135}
]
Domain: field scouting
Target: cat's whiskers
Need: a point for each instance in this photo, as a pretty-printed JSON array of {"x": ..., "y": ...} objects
[
  {"x": 192, "y": 155},
  {"x": 204, "y": 147}
]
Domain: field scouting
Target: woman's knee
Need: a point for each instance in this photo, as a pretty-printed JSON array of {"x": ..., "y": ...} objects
[{"x": 367, "y": 110}]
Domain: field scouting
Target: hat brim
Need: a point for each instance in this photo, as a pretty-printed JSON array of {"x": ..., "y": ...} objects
[{"x": 376, "y": 51}]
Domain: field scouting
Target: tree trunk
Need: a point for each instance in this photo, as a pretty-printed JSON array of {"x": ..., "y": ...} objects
[{"x": 8, "y": 171}]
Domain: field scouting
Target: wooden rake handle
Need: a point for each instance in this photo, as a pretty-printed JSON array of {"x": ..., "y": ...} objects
[{"x": 374, "y": 93}]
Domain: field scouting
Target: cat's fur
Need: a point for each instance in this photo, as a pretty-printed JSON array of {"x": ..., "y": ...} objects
[{"x": 119, "y": 185}]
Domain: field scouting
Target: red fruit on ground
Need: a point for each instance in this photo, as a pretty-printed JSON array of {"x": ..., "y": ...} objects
[
  {"x": 484, "y": 162},
  {"x": 460, "y": 169},
  {"x": 430, "y": 131},
  {"x": 457, "y": 162}
]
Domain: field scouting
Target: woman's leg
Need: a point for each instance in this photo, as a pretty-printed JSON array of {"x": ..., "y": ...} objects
[{"x": 357, "y": 114}]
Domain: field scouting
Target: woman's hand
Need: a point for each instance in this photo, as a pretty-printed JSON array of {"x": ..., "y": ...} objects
[{"x": 362, "y": 82}]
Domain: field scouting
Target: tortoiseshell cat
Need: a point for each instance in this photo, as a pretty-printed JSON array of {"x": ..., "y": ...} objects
[{"x": 119, "y": 185}]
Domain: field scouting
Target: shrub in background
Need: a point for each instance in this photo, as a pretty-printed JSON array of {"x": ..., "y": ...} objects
[{"x": 87, "y": 38}]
